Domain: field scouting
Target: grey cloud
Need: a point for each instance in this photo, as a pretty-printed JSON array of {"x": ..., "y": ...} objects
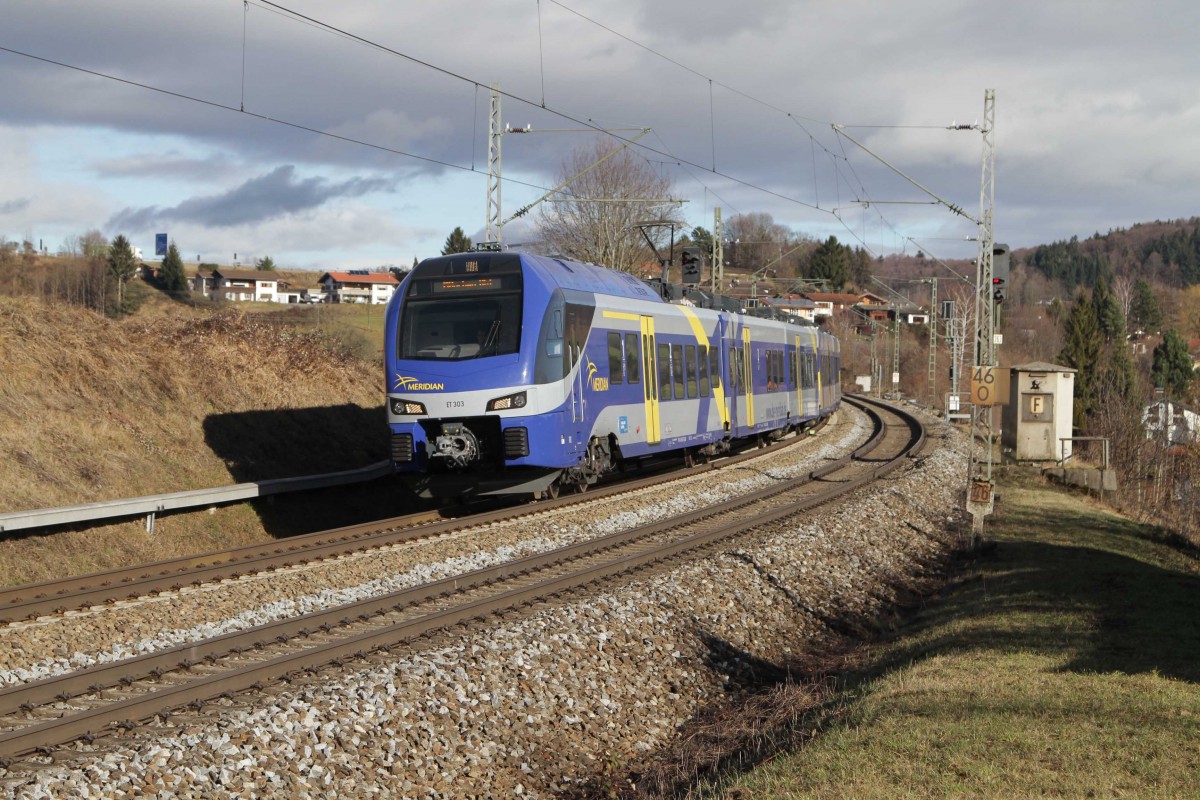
[
  {"x": 168, "y": 165},
  {"x": 13, "y": 206},
  {"x": 273, "y": 195}
]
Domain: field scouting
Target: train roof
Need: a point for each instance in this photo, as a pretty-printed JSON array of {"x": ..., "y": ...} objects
[
  {"x": 550, "y": 271},
  {"x": 569, "y": 274},
  {"x": 565, "y": 273}
]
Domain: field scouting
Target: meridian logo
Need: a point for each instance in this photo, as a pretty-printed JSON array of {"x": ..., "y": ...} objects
[
  {"x": 598, "y": 383},
  {"x": 415, "y": 385}
]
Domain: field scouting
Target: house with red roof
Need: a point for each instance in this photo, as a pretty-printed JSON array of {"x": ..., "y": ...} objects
[{"x": 359, "y": 286}]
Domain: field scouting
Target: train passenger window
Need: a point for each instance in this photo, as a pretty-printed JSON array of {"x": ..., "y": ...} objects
[
  {"x": 664, "y": 371},
  {"x": 792, "y": 369},
  {"x": 714, "y": 367},
  {"x": 702, "y": 362},
  {"x": 689, "y": 358},
  {"x": 631, "y": 362},
  {"x": 735, "y": 371},
  {"x": 677, "y": 369},
  {"x": 616, "y": 373}
]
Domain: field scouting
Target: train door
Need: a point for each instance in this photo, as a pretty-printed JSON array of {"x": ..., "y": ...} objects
[
  {"x": 729, "y": 351},
  {"x": 795, "y": 393},
  {"x": 578, "y": 326},
  {"x": 650, "y": 376},
  {"x": 747, "y": 376}
]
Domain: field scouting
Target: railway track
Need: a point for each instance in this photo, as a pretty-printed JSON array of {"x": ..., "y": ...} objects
[
  {"x": 31, "y": 601},
  {"x": 96, "y": 702}
]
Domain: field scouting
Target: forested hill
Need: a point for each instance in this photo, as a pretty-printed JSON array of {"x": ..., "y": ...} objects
[{"x": 1166, "y": 253}]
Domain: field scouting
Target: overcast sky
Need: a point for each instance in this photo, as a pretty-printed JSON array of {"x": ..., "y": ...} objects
[{"x": 1097, "y": 117}]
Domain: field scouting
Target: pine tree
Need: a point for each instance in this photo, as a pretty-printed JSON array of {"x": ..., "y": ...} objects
[
  {"x": 1118, "y": 378},
  {"x": 171, "y": 271},
  {"x": 121, "y": 267},
  {"x": 1082, "y": 342},
  {"x": 266, "y": 264},
  {"x": 1108, "y": 312},
  {"x": 1172, "y": 369},
  {"x": 456, "y": 242},
  {"x": 831, "y": 263},
  {"x": 1146, "y": 313}
]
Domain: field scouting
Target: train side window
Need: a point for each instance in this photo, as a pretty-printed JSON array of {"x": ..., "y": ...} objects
[
  {"x": 702, "y": 363},
  {"x": 792, "y": 369},
  {"x": 714, "y": 367},
  {"x": 616, "y": 372},
  {"x": 693, "y": 379},
  {"x": 677, "y": 369},
  {"x": 664, "y": 371},
  {"x": 633, "y": 375}
]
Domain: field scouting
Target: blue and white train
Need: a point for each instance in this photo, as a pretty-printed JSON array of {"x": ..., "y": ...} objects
[{"x": 516, "y": 373}]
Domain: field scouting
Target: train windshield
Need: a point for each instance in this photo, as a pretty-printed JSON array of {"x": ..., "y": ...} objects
[{"x": 455, "y": 311}]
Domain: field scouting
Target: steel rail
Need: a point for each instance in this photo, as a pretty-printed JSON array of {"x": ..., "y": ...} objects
[
  {"x": 30, "y": 601},
  {"x": 66, "y": 728}
]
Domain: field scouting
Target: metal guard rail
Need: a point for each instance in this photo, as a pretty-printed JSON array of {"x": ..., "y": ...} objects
[{"x": 151, "y": 505}]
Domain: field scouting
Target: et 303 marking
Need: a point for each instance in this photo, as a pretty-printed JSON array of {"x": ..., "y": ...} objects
[{"x": 455, "y": 403}]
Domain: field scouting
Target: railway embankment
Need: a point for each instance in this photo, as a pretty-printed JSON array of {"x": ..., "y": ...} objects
[
  {"x": 1061, "y": 661},
  {"x": 175, "y": 398},
  {"x": 576, "y": 694}
]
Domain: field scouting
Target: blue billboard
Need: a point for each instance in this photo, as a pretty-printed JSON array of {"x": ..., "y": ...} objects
[{"x": 160, "y": 244}]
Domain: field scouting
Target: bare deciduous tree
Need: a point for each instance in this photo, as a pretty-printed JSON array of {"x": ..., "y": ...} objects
[{"x": 596, "y": 217}]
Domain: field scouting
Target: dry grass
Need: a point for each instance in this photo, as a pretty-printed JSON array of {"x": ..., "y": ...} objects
[{"x": 173, "y": 398}]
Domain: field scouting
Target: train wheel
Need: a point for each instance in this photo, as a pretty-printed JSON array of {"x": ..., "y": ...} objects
[
  {"x": 551, "y": 491},
  {"x": 581, "y": 487},
  {"x": 689, "y": 459}
]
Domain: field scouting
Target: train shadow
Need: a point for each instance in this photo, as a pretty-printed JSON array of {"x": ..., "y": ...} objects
[{"x": 261, "y": 445}]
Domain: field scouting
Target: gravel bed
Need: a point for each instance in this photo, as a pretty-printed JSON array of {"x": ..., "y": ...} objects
[
  {"x": 532, "y": 707},
  {"x": 60, "y": 644}
]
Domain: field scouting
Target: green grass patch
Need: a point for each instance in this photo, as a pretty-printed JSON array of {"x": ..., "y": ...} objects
[{"x": 1064, "y": 662}]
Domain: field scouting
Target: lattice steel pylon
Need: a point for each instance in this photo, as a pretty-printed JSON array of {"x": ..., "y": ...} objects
[
  {"x": 933, "y": 337},
  {"x": 718, "y": 252},
  {"x": 493, "y": 226},
  {"x": 980, "y": 495}
]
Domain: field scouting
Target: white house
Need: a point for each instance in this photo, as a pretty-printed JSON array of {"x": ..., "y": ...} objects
[
  {"x": 204, "y": 282},
  {"x": 244, "y": 284},
  {"x": 1176, "y": 423},
  {"x": 359, "y": 286}
]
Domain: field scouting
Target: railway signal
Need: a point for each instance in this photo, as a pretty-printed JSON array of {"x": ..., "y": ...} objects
[
  {"x": 691, "y": 263},
  {"x": 1000, "y": 269}
]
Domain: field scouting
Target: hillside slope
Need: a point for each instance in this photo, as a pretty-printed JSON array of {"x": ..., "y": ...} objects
[{"x": 96, "y": 409}]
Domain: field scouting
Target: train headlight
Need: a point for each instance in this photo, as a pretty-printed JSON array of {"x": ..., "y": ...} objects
[
  {"x": 507, "y": 402},
  {"x": 406, "y": 407}
]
